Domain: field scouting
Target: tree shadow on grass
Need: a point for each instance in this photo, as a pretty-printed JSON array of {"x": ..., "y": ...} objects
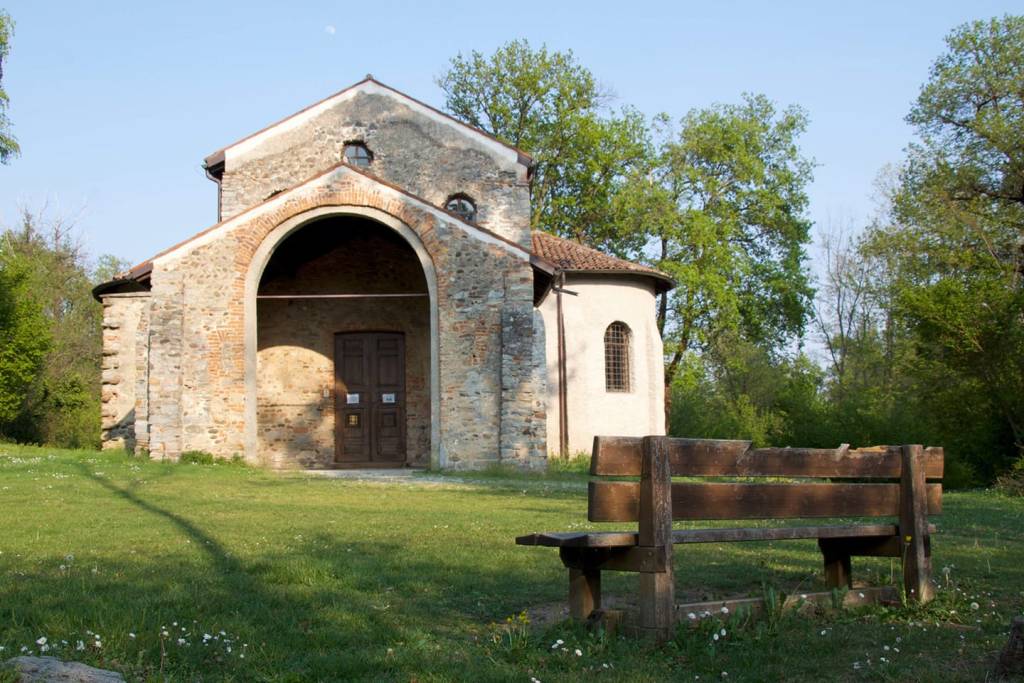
[{"x": 320, "y": 608}]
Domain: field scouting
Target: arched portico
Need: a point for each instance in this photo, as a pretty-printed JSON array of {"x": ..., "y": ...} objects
[{"x": 255, "y": 273}]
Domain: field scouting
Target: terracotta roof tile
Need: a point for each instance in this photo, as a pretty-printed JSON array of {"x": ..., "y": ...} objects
[{"x": 573, "y": 256}]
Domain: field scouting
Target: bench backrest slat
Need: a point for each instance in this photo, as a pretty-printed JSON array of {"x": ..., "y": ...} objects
[
  {"x": 621, "y": 456},
  {"x": 619, "y": 501}
]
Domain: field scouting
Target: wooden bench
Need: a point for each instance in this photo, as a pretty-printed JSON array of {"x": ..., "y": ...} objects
[{"x": 888, "y": 482}]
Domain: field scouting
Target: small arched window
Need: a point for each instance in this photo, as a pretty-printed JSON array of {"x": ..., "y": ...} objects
[
  {"x": 357, "y": 154},
  {"x": 462, "y": 206},
  {"x": 616, "y": 357}
]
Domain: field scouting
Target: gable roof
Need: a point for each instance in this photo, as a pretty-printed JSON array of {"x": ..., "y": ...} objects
[
  {"x": 140, "y": 273},
  {"x": 215, "y": 162},
  {"x": 573, "y": 257}
]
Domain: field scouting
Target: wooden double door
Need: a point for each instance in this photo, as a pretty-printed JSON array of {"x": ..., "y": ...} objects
[{"x": 369, "y": 404}]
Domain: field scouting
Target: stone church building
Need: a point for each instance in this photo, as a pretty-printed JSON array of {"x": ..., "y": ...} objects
[{"x": 373, "y": 296}]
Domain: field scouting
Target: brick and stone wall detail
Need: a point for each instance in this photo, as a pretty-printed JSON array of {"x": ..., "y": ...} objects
[
  {"x": 485, "y": 330},
  {"x": 427, "y": 158},
  {"x": 124, "y": 327}
]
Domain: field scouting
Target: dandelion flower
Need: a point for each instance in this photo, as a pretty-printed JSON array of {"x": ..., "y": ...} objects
[
  {"x": 714, "y": 637},
  {"x": 722, "y": 632}
]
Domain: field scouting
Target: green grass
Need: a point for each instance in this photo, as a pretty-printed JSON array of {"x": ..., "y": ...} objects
[{"x": 314, "y": 579}]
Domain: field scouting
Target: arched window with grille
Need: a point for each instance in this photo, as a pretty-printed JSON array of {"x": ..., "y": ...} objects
[
  {"x": 617, "y": 340},
  {"x": 462, "y": 206}
]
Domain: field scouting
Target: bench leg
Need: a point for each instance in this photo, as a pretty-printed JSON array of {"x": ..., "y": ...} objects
[
  {"x": 657, "y": 603},
  {"x": 916, "y": 551},
  {"x": 837, "y": 565},
  {"x": 584, "y": 592}
]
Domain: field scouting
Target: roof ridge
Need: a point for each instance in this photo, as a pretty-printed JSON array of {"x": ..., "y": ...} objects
[{"x": 216, "y": 157}]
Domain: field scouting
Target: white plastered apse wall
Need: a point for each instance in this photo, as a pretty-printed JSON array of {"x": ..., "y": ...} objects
[{"x": 592, "y": 410}]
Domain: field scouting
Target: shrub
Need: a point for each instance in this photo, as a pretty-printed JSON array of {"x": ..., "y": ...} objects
[
  {"x": 196, "y": 458},
  {"x": 1012, "y": 483}
]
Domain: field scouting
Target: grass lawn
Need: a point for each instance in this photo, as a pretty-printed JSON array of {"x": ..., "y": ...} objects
[{"x": 191, "y": 572}]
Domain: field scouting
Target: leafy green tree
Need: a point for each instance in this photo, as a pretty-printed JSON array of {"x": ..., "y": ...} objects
[
  {"x": 8, "y": 145},
  {"x": 955, "y": 239},
  {"x": 24, "y": 342},
  {"x": 61, "y": 405},
  {"x": 722, "y": 209},
  {"x": 552, "y": 107}
]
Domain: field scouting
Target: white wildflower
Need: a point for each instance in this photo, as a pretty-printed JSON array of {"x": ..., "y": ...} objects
[
  {"x": 578, "y": 652},
  {"x": 725, "y": 610},
  {"x": 41, "y": 641},
  {"x": 80, "y": 646}
]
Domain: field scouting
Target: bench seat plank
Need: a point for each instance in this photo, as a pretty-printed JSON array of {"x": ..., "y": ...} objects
[{"x": 619, "y": 539}]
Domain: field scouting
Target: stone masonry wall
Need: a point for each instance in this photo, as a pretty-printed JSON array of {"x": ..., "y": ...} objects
[
  {"x": 430, "y": 159},
  {"x": 489, "y": 403},
  {"x": 125, "y": 332}
]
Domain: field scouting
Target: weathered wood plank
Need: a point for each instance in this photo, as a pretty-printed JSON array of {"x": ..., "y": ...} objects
[
  {"x": 580, "y": 539},
  {"x": 657, "y": 590},
  {"x": 620, "y": 539},
  {"x": 914, "y": 509},
  {"x": 634, "y": 559},
  {"x": 620, "y": 456},
  {"x": 852, "y": 598},
  {"x": 620, "y": 501}
]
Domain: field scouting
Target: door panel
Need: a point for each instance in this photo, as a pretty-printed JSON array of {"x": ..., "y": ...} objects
[{"x": 370, "y": 397}]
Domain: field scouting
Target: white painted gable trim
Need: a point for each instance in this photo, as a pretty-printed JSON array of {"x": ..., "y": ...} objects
[
  {"x": 248, "y": 146},
  {"x": 321, "y": 181}
]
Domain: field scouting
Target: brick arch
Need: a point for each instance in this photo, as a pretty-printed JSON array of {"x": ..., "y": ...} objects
[
  {"x": 347, "y": 192},
  {"x": 267, "y": 232}
]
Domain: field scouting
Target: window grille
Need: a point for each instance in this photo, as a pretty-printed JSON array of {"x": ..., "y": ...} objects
[
  {"x": 463, "y": 207},
  {"x": 616, "y": 357},
  {"x": 357, "y": 154}
]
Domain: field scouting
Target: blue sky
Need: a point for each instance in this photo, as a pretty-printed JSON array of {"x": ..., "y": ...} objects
[{"x": 116, "y": 104}]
